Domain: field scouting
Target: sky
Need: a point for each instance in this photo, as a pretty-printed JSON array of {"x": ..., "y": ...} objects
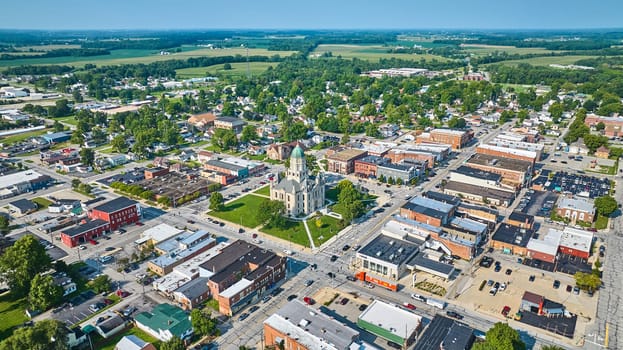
[{"x": 310, "y": 14}]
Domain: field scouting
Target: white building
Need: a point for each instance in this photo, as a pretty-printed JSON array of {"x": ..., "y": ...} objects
[{"x": 301, "y": 193}]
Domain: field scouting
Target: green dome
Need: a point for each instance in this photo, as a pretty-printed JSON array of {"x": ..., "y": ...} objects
[{"x": 297, "y": 152}]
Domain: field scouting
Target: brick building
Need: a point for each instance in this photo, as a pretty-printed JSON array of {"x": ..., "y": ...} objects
[
  {"x": 151, "y": 173},
  {"x": 613, "y": 125},
  {"x": 514, "y": 172},
  {"x": 576, "y": 209},
  {"x": 455, "y": 138},
  {"x": 117, "y": 212},
  {"x": 428, "y": 211},
  {"x": 367, "y": 166},
  {"x": 343, "y": 162},
  {"x": 399, "y": 155},
  {"x": 230, "y": 123},
  {"x": 242, "y": 274},
  {"x": 507, "y": 152},
  {"x": 84, "y": 232},
  {"x": 281, "y": 151}
]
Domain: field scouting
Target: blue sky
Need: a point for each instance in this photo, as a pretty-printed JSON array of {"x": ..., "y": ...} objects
[{"x": 310, "y": 14}]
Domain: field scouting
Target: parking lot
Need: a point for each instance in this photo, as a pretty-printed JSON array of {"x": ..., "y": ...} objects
[
  {"x": 587, "y": 185},
  {"x": 537, "y": 203},
  {"x": 520, "y": 281}
]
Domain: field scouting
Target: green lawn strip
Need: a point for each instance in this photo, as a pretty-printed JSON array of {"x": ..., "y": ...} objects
[
  {"x": 241, "y": 211},
  {"x": 330, "y": 227},
  {"x": 294, "y": 231},
  {"x": 109, "y": 344},
  {"x": 22, "y": 136},
  {"x": 12, "y": 314},
  {"x": 263, "y": 191},
  {"x": 601, "y": 222},
  {"x": 71, "y": 120},
  {"x": 42, "y": 202}
]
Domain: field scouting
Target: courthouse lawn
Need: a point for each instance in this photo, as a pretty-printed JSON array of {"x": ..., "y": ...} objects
[{"x": 242, "y": 210}]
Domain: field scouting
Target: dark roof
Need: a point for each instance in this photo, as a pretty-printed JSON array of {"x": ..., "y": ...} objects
[
  {"x": 111, "y": 323},
  {"x": 460, "y": 337},
  {"x": 519, "y": 216},
  {"x": 424, "y": 210},
  {"x": 224, "y": 165},
  {"x": 228, "y": 255},
  {"x": 93, "y": 201},
  {"x": 442, "y": 197},
  {"x": 399, "y": 167},
  {"x": 440, "y": 329},
  {"x": 194, "y": 288},
  {"x": 479, "y": 190},
  {"x": 549, "y": 304},
  {"x": 373, "y": 160},
  {"x": 512, "y": 235},
  {"x": 389, "y": 249},
  {"x": 234, "y": 121},
  {"x": 481, "y": 174},
  {"x": 80, "y": 229},
  {"x": 115, "y": 205},
  {"x": 24, "y": 205},
  {"x": 500, "y": 162},
  {"x": 420, "y": 260}
]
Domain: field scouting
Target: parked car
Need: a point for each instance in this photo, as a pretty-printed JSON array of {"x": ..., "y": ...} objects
[
  {"x": 94, "y": 307},
  {"x": 531, "y": 278},
  {"x": 509, "y": 271},
  {"x": 309, "y": 283},
  {"x": 409, "y": 306},
  {"x": 569, "y": 288},
  {"x": 308, "y": 301},
  {"x": 291, "y": 297},
  {"x": 454, "y": 315},
  {"x": 129, "y": 311},
  {"x": 362, "y": 307},
  {"x": 556, "y": 284},
  {"x": 253, "y": 309},
  {"x": 345, "y": 247},
  {"x": 333, "y": 258},
  {"x": 243, "y": 316},
  {"x": 351, "y": 278},
  {"x": 344, "y": 301},
  {"x": 506, "y": 310},
  {"x": 394, "y": 345}
]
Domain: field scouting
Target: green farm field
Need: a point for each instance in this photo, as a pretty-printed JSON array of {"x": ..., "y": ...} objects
[
  {"x": 483, "y": 50},
  {"x": 546, "y": 60},
  {"x": 255, "y": 68},
  {"x": 370, "y": 53},
  {"x": 130, "y": 56}
]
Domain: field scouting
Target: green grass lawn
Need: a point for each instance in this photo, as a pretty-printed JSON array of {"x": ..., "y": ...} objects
[
  {"x": 484, "y": 50},
  {"x": 42, "y": 202},
  {"x": 264, "y": 191},
  {"x": 294, "y": 231},
  {"x": 11, "y": 314},
  {"x": 71, "y": 120},
  {"x": 547, "y": 60},
  {"x": 23, "y": 136},
  {"x": 601, "y": 222},
  {"x": 330, "y": 227},
  {"x": 109, "y": 344},
  {"x": 240, "y": 68},
  {"x": 371, "y": 53},
  {"x": 241, "y": 210}
]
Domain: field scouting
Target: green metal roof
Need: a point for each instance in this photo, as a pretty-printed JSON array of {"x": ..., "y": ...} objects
[
  {"x": 297, "y": 152},
  {"x": 166, "y": 316}
]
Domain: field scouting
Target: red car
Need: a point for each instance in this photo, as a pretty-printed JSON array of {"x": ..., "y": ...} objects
[
  {"x": 506, "y": 310},
  {"x": 309, "y": 301},
  {"x": 409, "y": 306},
  {"x": 138, "y": 223}
]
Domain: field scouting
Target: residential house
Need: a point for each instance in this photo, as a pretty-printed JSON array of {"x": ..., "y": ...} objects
[
  {"x": 132, "y": 342},
  {"x": 164, "y": 322},
  {"x": 112, "y": 325}
]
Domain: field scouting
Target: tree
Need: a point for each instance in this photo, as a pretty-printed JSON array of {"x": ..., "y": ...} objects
[
  {"x": 46, "y": 334},
  {"x": 456, "y": 123},
  {"x": 372, "y": 130},
  {"x": 600, "y": 126},
  {"x": 174, "y": 343},
  {"x": 271, "y": 213},
  {"x": 224, "y": 139},
  {"x": 44, "y": 293},
  {"x": 345, "y": 138},
  {"x": 399, "y": 181},
  {"x": 58, "y": 127},
  {"x": 87, "y": 156},
  {"x": 318, "y": 222},
  {"x": 551, "y": 347},
  {"x": 203, "y": 324},
  {"x": 587, "y": 281},
  {"x": 216, "y": 201},
  {"x": 4, "y": 224},
  {"x": 501, "y": 337},
  {"x": 101, "y": 284},
  {"x": 248, "y": 133},
  {"x": 227, "y": 66},
  {"x": 391, "y": 181},
  {"x": 605, "y": 205},
  {"x": 593, "y": 142},
  {"x": 349, "y": 199},
  {"x": 118, "y": 143},
  {"x": 21, "y": 262}
]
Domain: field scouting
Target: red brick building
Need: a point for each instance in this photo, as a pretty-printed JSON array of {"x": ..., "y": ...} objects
[
  {"x": 613, "y": 126},
  {"x": 506, "y": 152},
  {"x": 398, "y": 155},
  {"x": 455, "y": 138},
  {"x": 151, "y": 173},
  {"x": 84, "y": 232},
  {"x": 117, "y": 212},
  {"x": 343, "y": 162},
  {"x": 367, "y": 166}
]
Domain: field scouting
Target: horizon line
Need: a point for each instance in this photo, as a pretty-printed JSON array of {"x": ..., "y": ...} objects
[{"x": 316, "y": 29}]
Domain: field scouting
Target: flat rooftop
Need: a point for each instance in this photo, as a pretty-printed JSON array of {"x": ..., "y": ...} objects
[
  {"x": 519, "y": 216},
  {"x": 224, "y": 165},
  {"x": 347, "y": 154},
  {"x": 442, "y": 197},
  {"x": 448, "y": 131},
  {"x": 159, "y": 233},
  {"x": 512, "y": 235},
  {"x": 314, "y": 330},
  {"x": 80, "y": 229},
  {"x": 513, "y": 151},
  {"x": 469, "y": 225},
  {"x": 389, "y": 249},
  {"x": 576, "y": 239},
  {"x": 479, "y": 190},
  {"x": 581, "y": 204},
  {"x": 391, "y": 318},
  {"x": 422, "y": 262},
  {"x": 17, "y": 178},
  {"x": 373, "y": 160},
  {"x": 500, "y": 162},
  {"x": 453, "y": 335},
  {"x": 477, "y": 173},
  {"x": 116, "y": 205},
  {"x": 547, "y": 243}
]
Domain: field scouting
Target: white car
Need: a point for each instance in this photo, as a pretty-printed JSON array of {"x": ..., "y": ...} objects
[
  {"x": 82, "y": 247},
  {"x": 288, "y": 252},
  {"x": 502, "y": 287}
]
